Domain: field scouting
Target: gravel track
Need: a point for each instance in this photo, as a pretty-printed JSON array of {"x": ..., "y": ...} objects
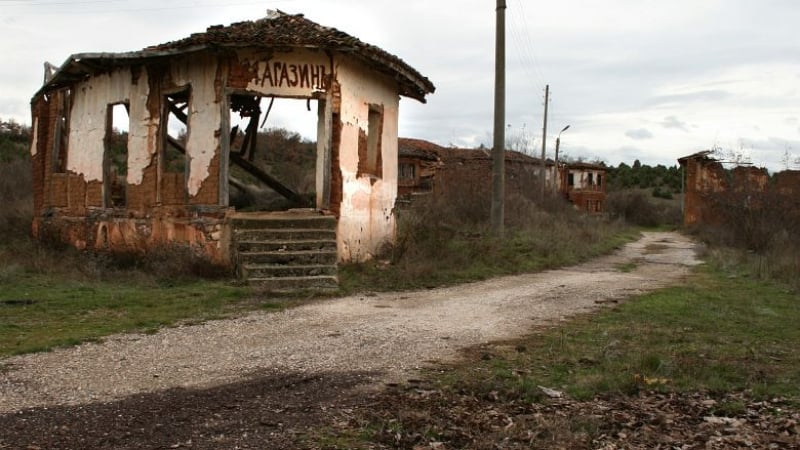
[{"x": 388, "y": 335}]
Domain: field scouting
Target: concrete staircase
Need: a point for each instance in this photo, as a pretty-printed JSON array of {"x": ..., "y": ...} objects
[{"x": 286, "y": 251}]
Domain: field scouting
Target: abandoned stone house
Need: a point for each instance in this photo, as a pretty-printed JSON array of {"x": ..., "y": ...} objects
[
  {"x": 425, "y": 167},
  {"x": 583, "y": 184},
  {"x": 181, "y": 99},
  {"x": 708, "y": 184},
  {"x": 417, "y": 164}
]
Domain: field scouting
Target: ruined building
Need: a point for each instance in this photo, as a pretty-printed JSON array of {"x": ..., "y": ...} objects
[
  {"x": 711, "y": 191},
  {"x": 171, "y": 182},
  {"x": 705, "y": 179},
  {"x": 426, "y": 167},
  {"x": 584, "y": 185}
]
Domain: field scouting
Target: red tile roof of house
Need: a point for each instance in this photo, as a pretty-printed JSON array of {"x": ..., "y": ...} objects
[{"x": 413, "y": 147}]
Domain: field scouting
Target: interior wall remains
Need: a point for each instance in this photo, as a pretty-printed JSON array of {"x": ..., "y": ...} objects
[
  {"x": 366, "y": 211},
  {"x": 70, "y": 205}
]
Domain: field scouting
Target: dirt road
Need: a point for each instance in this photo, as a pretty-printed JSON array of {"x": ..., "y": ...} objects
[{"x": 304, "y": 352}]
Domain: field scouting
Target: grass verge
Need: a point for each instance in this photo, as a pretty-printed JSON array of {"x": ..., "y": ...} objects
[
  {"x": 716, "y": 333},
  {"x": 40, "y": 312},
  {"x": 723, "y": 337}
]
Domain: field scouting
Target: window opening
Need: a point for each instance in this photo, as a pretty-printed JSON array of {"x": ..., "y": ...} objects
[
  {"x": 115, "y": 155},
  {"x": 176, "y": 130},
  {"x": 590, "y": 179},
  {"x": 407, "y": 173},
  {"x": 571, "y": 179},
  {"x": 62, "y": 132},
  {"x": 369, "y": 146}
]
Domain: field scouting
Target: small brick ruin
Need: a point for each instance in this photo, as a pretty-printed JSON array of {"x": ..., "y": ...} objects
[
  {"x": 709, "y": 186},
  {"x": 165, "y": 188}
]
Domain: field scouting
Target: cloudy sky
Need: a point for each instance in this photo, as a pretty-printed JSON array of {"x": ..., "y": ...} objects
[{"x": 634, "y": 79}]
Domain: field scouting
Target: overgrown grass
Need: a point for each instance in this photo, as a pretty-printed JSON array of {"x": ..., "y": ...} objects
[
  {"x": 55, "y": 297},
  {"x": 443, "y": 241},
  {"x": 757, "y": 231},
  {"x": 639, "y": 207},
  {"x": 717, "y": 333},
  {"x": 39, "y": 312}
]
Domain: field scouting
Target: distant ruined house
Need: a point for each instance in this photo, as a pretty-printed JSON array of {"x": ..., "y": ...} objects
[
  {"x": 709, "y": 188},
  {"x": 170, "y": 182},
  {"x": 432, "y": 167},
  {"x": 705, "y": 176},
  {"x": 584, "y": 185},
  {"x": 418, "y": 162}
]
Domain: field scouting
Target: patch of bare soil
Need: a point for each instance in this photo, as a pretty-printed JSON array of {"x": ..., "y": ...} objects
[{"x": 265, "y": 412}]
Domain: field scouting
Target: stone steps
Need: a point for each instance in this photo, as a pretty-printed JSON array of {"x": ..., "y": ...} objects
[{"x": 291, "y": 251}]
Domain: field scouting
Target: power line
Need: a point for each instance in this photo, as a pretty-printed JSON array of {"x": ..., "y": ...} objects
[
  {"x": 194, "y": 5},
  {"x": 57, "y": 2},
  {"x": 524, "y": 45}
]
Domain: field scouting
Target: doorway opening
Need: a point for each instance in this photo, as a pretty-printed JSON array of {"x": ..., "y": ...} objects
[{"x": 272, "y": 142}]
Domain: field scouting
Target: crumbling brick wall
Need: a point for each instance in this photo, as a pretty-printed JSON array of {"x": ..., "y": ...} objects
[
  {"x": 717, "y": 197},
  {"x": 702, "y": 176},
  {"x": 69, "y": 208}
]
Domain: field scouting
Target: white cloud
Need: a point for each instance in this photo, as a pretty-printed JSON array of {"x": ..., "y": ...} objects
[
  {"x": 673, "y": 122},
  {"x": 639, "y": 134},
  {"x": 699, "y": 73}
]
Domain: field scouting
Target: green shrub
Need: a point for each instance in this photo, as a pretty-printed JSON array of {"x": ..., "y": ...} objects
[
  {"x": 761, "y": 229},
  {"x": 662, "y": 192},
  {"x": 633, "y": 207},
  {"x": 16, "y": 192}
]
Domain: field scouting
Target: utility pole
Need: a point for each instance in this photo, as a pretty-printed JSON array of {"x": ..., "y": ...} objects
[
  {"x": 544, "y": 139},
  {"x": 498, "y": 149}
]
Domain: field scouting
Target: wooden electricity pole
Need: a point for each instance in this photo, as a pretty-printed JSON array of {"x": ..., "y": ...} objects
[
  {"x": 498, "y": 149},
  {"x": 544, "y": 139}
]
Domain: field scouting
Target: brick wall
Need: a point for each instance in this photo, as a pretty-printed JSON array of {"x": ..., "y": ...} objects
[
  {"x": 145, "y": 195},
  {"x": 708, "y": 185},
  {"x": 337, "y": 192},
  {"x": 209, "y": 189}
]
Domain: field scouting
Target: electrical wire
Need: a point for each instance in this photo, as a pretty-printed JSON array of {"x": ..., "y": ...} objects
[
  {"x": 116, "y": 9},
  {"x": 520, "y": 33},
  {"x": 523, "y": 46}
]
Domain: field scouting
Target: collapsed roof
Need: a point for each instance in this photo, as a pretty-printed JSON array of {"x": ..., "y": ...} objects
[{"x": 277, "y": 31}]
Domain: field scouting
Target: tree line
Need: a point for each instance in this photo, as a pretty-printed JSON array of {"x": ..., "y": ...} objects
[
  {"x": 14, "y": 140},
  {"x": 662, "y": 180}
]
